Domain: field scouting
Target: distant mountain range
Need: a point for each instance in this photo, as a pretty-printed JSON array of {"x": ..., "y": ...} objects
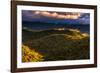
[
  {"x": 51, "y": 23},
  {"x": 48, "y": 25}
]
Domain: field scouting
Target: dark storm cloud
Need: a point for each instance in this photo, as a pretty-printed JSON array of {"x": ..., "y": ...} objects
[{"x": 56, "y": 17}]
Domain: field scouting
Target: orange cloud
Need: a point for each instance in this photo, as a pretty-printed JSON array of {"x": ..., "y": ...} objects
[
  {"x": 54, "y": 14},
  {"x": 58, "y": 15},
  {"x": 37, "y": 12},
  {"x": 45, "y": 13}
]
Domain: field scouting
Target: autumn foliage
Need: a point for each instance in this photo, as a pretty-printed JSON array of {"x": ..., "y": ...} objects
[{"x": 29, "y": 55}]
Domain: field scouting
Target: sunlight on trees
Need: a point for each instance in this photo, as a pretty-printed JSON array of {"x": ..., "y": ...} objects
[{"x": 29, "y": 55}]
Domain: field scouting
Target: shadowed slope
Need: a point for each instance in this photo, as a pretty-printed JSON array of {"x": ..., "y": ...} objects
[{"x": 58, "y": 45}]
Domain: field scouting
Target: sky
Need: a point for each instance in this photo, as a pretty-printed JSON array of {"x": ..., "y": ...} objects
[{"x": 56, "y": 17}]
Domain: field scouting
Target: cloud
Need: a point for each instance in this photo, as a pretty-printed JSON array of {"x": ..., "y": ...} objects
[{"x": 58, "y": 15}]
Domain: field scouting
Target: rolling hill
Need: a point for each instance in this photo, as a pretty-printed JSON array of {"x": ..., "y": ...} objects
[{"x": 57, "y": 44}]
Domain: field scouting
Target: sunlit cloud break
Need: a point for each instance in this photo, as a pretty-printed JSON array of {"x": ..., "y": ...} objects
[{"x": 68, "y": 15}]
